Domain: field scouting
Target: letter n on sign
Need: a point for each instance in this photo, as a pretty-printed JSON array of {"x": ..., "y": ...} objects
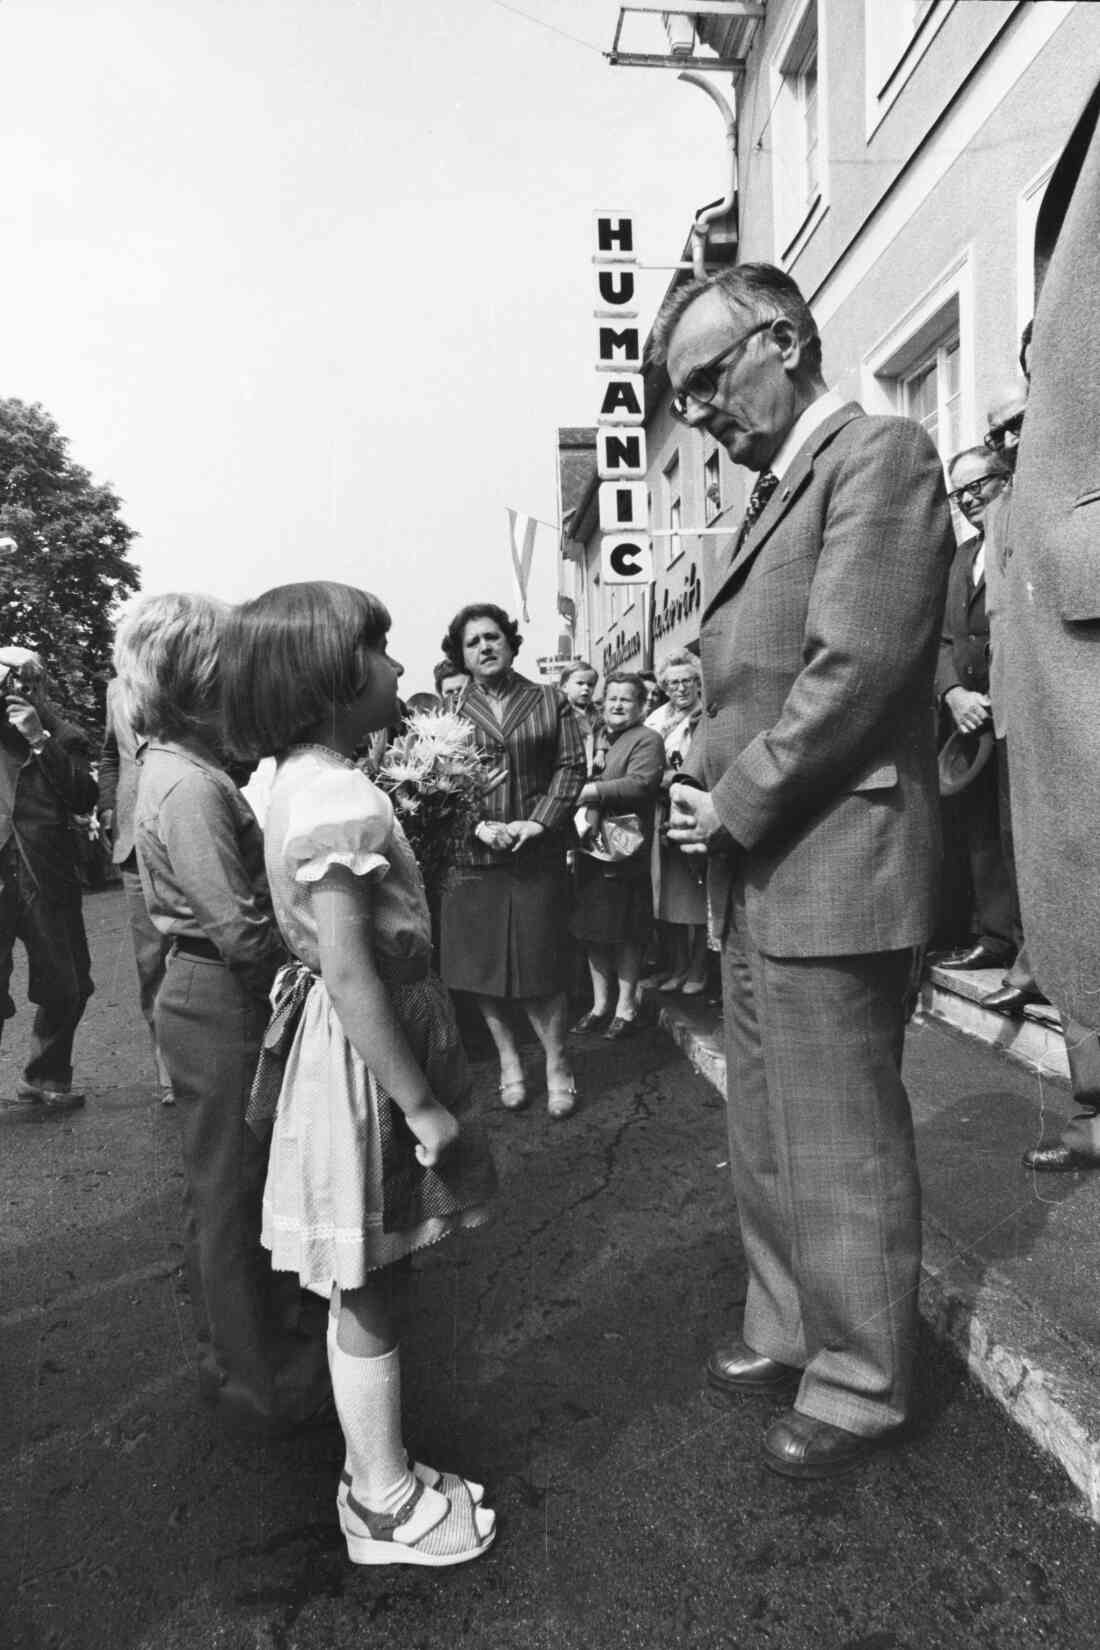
[
  {"x": 626, "y": 558},
  {"x": 620, "y": 455}
]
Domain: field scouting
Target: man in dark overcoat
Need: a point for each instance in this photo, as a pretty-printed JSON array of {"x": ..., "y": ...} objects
[
  {"x": 821, "y": 812},
  {"x": 1052, "y": 628}
]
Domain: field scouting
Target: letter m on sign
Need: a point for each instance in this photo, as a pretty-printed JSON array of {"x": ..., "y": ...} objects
[{"x": 619, "y": 348}]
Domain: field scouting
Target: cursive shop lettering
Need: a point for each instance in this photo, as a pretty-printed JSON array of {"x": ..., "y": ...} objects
[{"x": 675, "y": 610}]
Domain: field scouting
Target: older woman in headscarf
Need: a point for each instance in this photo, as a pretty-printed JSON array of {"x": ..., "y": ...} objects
[
  {"x": 503, "y": 929},
  {"x": 679, "y": 893}
]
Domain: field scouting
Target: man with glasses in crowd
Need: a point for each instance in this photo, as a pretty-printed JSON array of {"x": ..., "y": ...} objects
[
  {"x": 977, "y": 476},
  {"x": 821, "y": 816}
]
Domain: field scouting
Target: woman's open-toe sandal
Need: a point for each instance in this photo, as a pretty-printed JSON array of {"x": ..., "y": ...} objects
[{"x": 430, "y": 1528}]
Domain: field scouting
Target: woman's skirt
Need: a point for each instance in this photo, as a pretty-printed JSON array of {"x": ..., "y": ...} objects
[
  {"x": 504, "y": 930},
  {"x": 613, "y": 904}
]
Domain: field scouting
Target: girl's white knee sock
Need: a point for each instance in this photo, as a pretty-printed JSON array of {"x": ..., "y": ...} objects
[{"x": 368, "y": 1401}]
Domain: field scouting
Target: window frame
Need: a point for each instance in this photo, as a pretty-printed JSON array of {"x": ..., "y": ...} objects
[
  {"x": 888, "y": 63},
  {"x": 672, "y": 502},
  {"x": 797, "y": 208},
  {"x": 712, "y": 508},
  {"x": 943, "y": 310}
]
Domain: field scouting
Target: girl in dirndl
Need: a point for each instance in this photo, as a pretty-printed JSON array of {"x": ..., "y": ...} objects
[{"x": 374, "y": 1153}]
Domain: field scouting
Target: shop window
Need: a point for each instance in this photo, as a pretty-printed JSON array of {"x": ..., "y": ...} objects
[{"x": 712, "y": 485}]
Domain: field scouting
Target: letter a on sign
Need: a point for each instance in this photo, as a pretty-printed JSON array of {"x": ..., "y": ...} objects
[
  {"x": 623, "y": 400},
  {"x": 626, "y": 558}
]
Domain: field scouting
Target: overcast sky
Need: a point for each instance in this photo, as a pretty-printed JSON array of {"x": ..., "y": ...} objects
[{"x": 308, "y": 281}]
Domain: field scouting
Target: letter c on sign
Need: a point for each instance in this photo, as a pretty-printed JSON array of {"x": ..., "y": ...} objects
[{"x": 624, "y": 559}]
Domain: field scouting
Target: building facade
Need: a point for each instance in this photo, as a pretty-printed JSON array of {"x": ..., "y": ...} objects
[{"x": 891, "y": 157}]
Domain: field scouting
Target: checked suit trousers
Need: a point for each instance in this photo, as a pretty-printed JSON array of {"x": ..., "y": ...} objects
[{"x": 824, "y": 1169}]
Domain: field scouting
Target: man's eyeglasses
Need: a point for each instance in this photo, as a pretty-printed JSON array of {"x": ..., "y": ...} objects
[
  {"x": 975, "y": 490},
  {"x": 701, "y": 385},
  {"x": 996, "y": 440}
]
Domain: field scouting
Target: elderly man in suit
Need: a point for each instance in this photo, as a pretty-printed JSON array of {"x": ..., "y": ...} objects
[
  {"x": 977, "y": 478},
  {"x": 1051, "y": 630},
  {"x": 821, "y": 814}
]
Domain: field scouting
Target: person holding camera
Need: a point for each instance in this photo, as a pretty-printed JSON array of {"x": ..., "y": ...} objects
[{"x": 45, "y": 777}]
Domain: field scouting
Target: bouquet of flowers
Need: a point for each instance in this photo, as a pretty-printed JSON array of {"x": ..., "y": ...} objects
[{"x": 436, "y": 776}]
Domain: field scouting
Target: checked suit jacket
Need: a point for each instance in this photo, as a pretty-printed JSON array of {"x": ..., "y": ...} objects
[{"x": 819, "y": 643}]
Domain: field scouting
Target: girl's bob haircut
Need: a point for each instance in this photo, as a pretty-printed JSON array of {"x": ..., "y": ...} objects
[
  {"x": 291, "y": 656},
  {"x": 167, "y": 658}
]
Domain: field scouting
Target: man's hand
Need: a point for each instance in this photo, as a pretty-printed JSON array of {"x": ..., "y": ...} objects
[
  {"x": 24, "y": 718},
  {"x": 523, "y": 830},
  {"x": 969, "y": 711},
  {"x": 493, "y": 833},
  {"x": 693, "y": 823}
]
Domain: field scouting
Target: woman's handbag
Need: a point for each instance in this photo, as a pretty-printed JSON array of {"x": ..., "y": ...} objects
[{"x": 610, "y": 837}]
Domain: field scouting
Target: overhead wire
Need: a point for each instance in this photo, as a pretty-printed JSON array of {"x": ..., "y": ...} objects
[{"x": 541, "y": 23}]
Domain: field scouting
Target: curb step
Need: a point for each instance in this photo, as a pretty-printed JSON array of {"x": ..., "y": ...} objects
[{"x": 1036, "y": 1040}]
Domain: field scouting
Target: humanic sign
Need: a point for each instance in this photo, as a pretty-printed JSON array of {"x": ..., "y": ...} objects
[{"x": 626, "y": 553}]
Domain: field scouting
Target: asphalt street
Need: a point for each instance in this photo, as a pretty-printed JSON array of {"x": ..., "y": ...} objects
[{"x": 556, "y": 1356}]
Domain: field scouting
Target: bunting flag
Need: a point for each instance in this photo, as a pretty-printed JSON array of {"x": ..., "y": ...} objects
[{"x": 521, "y": 542}]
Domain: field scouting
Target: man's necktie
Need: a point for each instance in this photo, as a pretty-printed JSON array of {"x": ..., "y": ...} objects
[{"x": 766, "y": 484}]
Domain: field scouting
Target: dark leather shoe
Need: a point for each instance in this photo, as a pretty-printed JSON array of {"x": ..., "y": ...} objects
[
  {"x": 591, "y": 1022},
  {"x": 735, "y": 1367},
  {"x": 798, "y": 1446},
  {"x": 1013, "y": 999},
  {"x": 978, "y": 956},
  {"x": 1057, "y": 1159},
  {"x": 620, "y": 1028}
]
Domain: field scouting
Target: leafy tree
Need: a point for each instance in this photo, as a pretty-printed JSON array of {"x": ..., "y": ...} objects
[{"x": 63, "y": 560}]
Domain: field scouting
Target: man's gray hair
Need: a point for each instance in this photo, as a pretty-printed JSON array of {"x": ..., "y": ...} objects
[{"x": 765, "y": 291}]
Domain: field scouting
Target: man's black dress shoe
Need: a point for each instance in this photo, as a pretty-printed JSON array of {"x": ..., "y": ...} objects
[
  {"x": 735, "y": 1367},
  {"x": 978, "y": 956},
  {"x": 1055, "y": 1159},
  {"x": 1013, "y": 999},
  {"x": 798, "y": 1446}
]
